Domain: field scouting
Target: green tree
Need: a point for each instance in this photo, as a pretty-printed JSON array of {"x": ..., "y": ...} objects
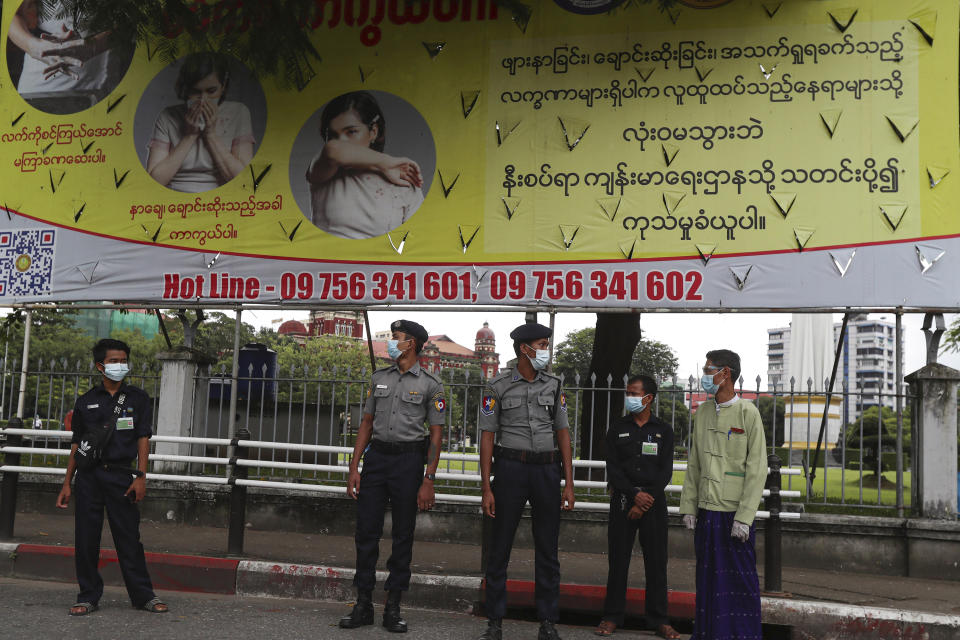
[
  {"x": 879, "y": 426},
  {"x": 574, "y": 354},
  {"x": 771, "y": 413}
]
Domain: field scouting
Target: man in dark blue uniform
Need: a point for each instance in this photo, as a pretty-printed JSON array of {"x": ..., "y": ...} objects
[
  {"x": 639, "y": 454},
  {"x": 113, "y": 484},
  {"x": 401, "y": 398},
  {"x": 523, "y": 419}
]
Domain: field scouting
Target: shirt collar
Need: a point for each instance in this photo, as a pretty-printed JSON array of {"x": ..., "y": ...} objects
[
  {"x": 517, "y": 377},
  {"x": 415, "y": 369},
  {"x": 729, "y": 403}
]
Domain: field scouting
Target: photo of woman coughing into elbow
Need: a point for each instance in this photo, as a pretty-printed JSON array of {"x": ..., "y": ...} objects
[
  {"x": 357, "y": 190},
  {"x": 205, "y": 140}
]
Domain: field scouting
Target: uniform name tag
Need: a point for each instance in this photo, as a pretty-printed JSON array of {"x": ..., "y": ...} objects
[
  {"x": 381, "y": 386},
  {"x": 93, "y": 406},
  {"x": 124, "y": 424},
  {"x": 624, "y": 435},
  {"x": 650, "y": 448}
]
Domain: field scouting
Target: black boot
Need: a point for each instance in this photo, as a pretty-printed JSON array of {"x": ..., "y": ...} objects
[
  {"x": 362, "y": 613},
  {"x": 392, "y": 621},
  {"x": 494, "y": 630},
  {"x": 547, "y": 631}
]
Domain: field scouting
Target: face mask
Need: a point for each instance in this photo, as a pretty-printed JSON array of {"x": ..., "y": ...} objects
[
  {"x": 541, "y": 359},
  {"x": 708, "y": 384},
  {"x": 116, "y": 371},
  {"x": 393, "y": 350},
  {"x": 634, "y": 404}
]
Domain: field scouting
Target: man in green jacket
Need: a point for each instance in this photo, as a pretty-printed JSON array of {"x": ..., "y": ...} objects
[{"x": 726, "y": 471}]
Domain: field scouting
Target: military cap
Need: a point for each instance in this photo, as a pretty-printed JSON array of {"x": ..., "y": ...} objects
[
  {"x": 529, "y": 332},
  {"x": 410, "y": 328}
]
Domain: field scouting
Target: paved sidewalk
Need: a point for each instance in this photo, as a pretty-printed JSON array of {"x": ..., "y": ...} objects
[{"x": 448, "y": 577}]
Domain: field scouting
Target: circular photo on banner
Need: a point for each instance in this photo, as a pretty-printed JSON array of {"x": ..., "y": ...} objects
[
  {"x": 58, "y": 63},
  {"x": 362, "y": 164},
  {"x": 199, "y": 122},
  {"x": 589, "y": 7}
]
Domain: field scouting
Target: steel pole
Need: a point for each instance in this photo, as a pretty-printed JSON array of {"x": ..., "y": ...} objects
[
  {"x": 234, "y": 388},
  {"x": 898, "y": 377}
]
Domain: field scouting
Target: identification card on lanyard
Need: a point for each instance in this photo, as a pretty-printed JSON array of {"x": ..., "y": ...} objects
[{"x": 650, "y": 448}]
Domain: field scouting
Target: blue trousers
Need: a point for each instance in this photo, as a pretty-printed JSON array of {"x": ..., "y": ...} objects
[
  {"x": 394, "y": 479},
  {"x": 514, "y": 485},
  {"x": 95, "y": 491}
]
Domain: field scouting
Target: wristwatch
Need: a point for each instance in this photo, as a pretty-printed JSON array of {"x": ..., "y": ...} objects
[
  {"x": 430, "y": 476},
  {"x": 137, "y": 473}
]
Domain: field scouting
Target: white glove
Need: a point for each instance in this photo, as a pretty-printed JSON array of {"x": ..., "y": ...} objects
[
  {"x": 690, "y": 521},
  {"x": 740, "y": 531}
]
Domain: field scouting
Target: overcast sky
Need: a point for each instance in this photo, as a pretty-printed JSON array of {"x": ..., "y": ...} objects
[{"x": 690, "y": 335}]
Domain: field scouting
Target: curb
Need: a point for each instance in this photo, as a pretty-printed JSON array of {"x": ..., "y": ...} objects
[{"x": 201, "y": 574}]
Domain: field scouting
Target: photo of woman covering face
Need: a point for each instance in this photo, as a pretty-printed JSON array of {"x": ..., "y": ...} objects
[
  {"x": 356, "y": 189},
  {"x": 205, "y": 140},
  {"x": 57, "y": 65}
]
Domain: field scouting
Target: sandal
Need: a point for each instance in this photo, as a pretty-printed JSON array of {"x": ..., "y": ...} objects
[
  {"x": 666, "y": 631},
  {"x": 155, "y": 606},
  {"x": 84, "y": 608},
  {"x": 605, "y": 628}
]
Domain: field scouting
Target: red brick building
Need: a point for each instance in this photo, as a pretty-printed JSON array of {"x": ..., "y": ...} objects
[{"x": 440, "y": 352}]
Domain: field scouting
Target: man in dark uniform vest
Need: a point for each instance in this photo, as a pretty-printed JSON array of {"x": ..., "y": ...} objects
[
  {"x": 525, "y": 439},
  {"x": 114, "y": 484},
  {"x": 639, "y": 455},
  {"x": 401, "y": 398}
]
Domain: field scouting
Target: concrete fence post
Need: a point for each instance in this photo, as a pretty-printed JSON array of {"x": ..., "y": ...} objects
[
  {"x": 175, "y": 408},
  {"x": 935, "y": 440}
]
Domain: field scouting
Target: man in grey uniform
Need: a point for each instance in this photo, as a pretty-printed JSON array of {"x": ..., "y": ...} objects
[
  {"x": 401, "y": 397},
  {"x": 523, "y": 419}
]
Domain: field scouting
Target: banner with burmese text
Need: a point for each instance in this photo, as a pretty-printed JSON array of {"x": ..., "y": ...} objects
[{"x": 574, "y": 153}]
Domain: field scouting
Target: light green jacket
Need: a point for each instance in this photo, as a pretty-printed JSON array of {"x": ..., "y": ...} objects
[{"x": 727, "y": 465}]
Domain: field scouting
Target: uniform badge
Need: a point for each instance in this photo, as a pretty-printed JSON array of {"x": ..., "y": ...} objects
[
  {"x": 563, "y": 402},
  {"x": 440, "y": 404},
  {"x": 486, "y": 407}
]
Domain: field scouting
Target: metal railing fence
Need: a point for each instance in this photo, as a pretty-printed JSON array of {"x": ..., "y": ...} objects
[{"x": 318, "y": 412}]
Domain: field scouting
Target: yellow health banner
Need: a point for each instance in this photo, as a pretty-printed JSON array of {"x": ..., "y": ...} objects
[{"x": 794, "y": 154}]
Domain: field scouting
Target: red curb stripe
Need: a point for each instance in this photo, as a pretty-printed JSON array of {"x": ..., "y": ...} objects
[
  {"x": 196, "y": 574},
  {"x": 589, "y": 599}
]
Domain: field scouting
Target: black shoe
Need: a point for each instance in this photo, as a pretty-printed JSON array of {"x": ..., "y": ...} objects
[
  {"x": 361, "y": 614},
  {"x": 392, "y": 621},
  {"x": 494, "y": 631},
  {"x": 547, "y": 631}
]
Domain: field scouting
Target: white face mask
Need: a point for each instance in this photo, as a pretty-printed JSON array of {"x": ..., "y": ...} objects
[{"x": 116, "y": 371}]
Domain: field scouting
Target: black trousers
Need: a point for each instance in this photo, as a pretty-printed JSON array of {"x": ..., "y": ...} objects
[
  {"x": 95, "y": 491},
  {"x": 516, "y": 483},
  {"x": 651, "y": 530},
  {"x": 393, "y": 478}
]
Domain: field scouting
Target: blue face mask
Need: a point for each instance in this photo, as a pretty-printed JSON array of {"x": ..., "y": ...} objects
[
  {"x": 634, "y": 404},
  {"x": 708, "y": 384},
  {"x": 116, "y": 371},
  {"x": 393, "y": 350},
  {"x": 540, "y": 361}
]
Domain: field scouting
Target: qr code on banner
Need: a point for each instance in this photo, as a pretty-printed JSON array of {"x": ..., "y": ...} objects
[{"x": 26, "y": 262}]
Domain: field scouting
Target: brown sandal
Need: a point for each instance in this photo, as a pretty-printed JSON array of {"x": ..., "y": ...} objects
[
  {"x": 605, "y": 628},
  {"x": 666, "y": 631}
]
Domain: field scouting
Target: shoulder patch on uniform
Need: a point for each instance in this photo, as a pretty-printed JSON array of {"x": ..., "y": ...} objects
[
  {"x": 440, "y": 403},
  {"x": 486, "y": 407},
  {"x": 563, "y": 402}
]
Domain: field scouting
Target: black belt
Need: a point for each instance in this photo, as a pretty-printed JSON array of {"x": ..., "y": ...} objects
[
  {"x": 381, "y": 446},
  {"x": 117, "y": 466},
  {"x": 527, "y": 457}
]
